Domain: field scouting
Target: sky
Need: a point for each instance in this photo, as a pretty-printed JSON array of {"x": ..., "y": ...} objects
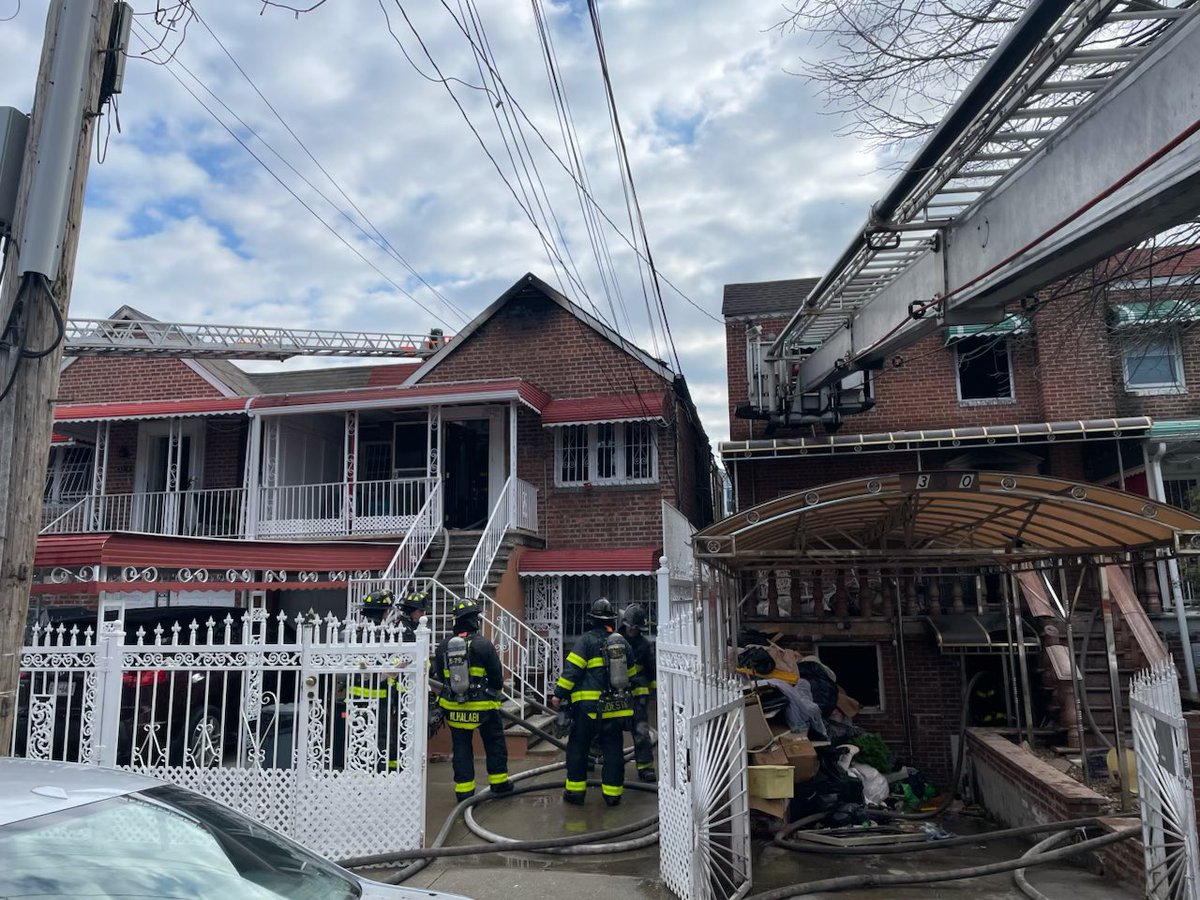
[{"x": 740, "y": 173}]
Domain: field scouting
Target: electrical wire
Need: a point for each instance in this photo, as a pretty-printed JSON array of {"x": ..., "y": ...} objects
[
  {"x": 328, "y": 227},
  {"x": 382, "y": 240}
]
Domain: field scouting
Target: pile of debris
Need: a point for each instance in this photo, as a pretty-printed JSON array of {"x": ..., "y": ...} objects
[{"x": 808, "y": 760}]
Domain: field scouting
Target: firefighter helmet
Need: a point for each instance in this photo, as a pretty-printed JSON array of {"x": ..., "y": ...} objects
[
  {"x": 466, "y": 612},
  {"x": 602, "y": 611},
  {"x": 634, "y": 616},
  {"x": 377, "y": 603},
  {"x": 417, "y": 600}
]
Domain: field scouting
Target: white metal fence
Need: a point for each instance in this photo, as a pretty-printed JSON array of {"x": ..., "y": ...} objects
[
  {"x": 704, "y": 822},
  {"x": 316, "y": 728},
  {"x": 1165, "y": 787},
  {"x": 218, "y": 512}
]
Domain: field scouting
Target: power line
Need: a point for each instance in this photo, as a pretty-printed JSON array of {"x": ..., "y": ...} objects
[
  {"x": 281, "y": 182},
  {"x": 383, "y": 242}
]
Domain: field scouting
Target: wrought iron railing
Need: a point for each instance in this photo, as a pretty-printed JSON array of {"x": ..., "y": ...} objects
[
  {"x": 215, "y": 512},
  {"x": 380, "y": 507},
  {"x": 525, "y": 655}
]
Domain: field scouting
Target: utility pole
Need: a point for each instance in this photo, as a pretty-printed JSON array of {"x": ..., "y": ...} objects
[{"x": 75, "y": 56}]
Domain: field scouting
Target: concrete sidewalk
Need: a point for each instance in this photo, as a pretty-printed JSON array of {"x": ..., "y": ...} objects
[{"x": 635, "y": 875}]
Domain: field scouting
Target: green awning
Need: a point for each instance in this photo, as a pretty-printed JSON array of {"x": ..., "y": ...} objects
[
  {"x": 1157, "y": 312},
  {"x": 1168, "y": 429},
  {"x": 1014, "y": 323}
]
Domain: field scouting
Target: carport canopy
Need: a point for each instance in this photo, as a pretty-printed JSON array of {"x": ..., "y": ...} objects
[{"x": 948, "y": 517}]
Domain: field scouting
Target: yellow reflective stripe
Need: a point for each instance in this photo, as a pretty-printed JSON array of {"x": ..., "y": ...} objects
[
  {"x": 634, "y": 669},
  {"x": 612, "y": 790},
  {"x": 576, "y": 696},
  {"x": 565, "y": 683},
  {"x": 576, "y": 786},
  {"x": 369, "y": 693},
  {"x": 595, "y": 662},
  {"x": 576, "y": 660},
  {"x": 480, "y": 671},
  {"x": 468, "y": 705},
  {"x": 498, "y": 779},
  {"x": 643, "y": 766},
  {"x": 641, "y": 692},
  {"x": 654, "y": 685},
  {"x": 617, "y": 715},
  {"x": 461, "y": 787},
  {"x": 465, "y": 726}
]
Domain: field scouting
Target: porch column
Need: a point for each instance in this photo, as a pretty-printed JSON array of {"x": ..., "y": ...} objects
[
  {"x": 99, "y": 476},
  {"x": 350, "y": 449},
  {"x": 250, "y": 478},
  {"x": 433, "y": 468},
  {"x": 267, "y": 495},
  {"x": 174, "y": 468},
  {"x": 512, "y": 461}
]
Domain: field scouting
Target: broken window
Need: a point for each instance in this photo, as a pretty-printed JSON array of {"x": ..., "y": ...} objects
[
  {"x": 984, "y": 369},
  {"x": 858, "y": 671}
]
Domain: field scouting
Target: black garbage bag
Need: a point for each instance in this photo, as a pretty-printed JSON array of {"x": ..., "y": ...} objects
[
  {"x": 758, "y": 659},
  {"x": 826, "y": 791},
  {"x": 824, "y": 688}
]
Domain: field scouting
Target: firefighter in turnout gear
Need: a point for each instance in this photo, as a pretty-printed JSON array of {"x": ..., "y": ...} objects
[
  {"x": 467, "y": 665},
  {"x": 597, "y": 684},
  {"x": 644, "y": 675},
  {"x": 385, "y": 691},
  {"x": 413, "y": 606}
]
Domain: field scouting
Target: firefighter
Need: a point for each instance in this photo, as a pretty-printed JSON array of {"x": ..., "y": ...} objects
[
  {"x": 643, "y": 675},
  {"x": 596, "y": 683},
  {"x": 468, "y": 667},
  {"x": 389, "y": 717},
  {"x": 414, "y": 606}
]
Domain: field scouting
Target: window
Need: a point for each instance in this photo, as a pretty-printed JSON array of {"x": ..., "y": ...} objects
[
  {"x": 984, "y": 369},
  {"x": 859, "y": 672},
  {"x": 1152, "y": 364},
  {"x": 69, "y": 476},
  {"x": 580, "y": 591},
  {"x": 608, "y": 453}
]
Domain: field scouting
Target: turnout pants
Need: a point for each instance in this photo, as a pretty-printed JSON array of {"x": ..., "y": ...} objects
[
  {"x": 491, "y": 729},
  {"x": 607, "y": 733},
  {"x": 643, "y": 747}
]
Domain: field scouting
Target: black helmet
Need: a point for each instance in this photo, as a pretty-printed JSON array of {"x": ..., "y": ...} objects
[
  {"x": 377, "y": 603},
  {"x": 634, "y": 616},
  {"x": 466, "y": 612},
  {"x": 603, "y": 611},
  {"x": 417, "y": 600}
]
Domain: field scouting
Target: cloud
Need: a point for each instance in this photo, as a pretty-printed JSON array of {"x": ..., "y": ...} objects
[{"x": 739, "y": 174}]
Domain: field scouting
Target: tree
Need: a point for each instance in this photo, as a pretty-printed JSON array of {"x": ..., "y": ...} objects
[{"x": 892, "y": 67}]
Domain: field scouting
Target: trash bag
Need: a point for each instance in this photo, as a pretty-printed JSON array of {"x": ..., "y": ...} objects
[
  {"x": 845, "y": 815},
  {"x": 824, "y": 688},
  {"x": 828, "y": 789},
  {"x": 875, "y": 787},
  {"x": 758, "y": 659}
]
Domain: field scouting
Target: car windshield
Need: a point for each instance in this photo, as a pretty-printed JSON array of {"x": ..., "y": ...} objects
[{"x": 161, "y": 842}]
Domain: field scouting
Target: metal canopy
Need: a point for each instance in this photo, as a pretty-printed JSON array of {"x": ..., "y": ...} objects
[
  {"x": 968, "y": 633},
  {"x": 930, "y": 518}
]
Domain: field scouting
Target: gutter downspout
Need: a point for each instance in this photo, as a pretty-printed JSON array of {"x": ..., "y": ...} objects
[{"x": 1154, "y": 484}]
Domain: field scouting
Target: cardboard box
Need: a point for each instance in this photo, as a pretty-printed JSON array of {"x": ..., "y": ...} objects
[
  {"x": 847, "y": 705},
  {"x": 801, "y": 755},
  {"x": 771, "y": 756},
  {"x": 758, "y": 732},
  {"x": 774, "y": 808},
  {"x": 770, "y": 782}
]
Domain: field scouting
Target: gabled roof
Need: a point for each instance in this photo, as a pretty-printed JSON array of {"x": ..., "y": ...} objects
[
  {"x": 761, "y": 298},
  {"x": 522, "y": 287}
]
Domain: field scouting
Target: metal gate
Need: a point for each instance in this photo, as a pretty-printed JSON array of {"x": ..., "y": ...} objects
[
  {"x": 314, "y": 727},
  {"x": 1164, "y": 771},
  {"x": 704, "y": 831}
]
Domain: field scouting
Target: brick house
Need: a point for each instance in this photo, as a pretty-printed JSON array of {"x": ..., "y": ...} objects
[
  {"x": 1101, "y": 388},
  {"x": 544, "y": 443}
]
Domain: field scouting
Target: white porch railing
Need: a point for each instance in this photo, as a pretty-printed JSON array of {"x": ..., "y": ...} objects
[
  {"x": 203, "y": 513},
  {"x": 525, "y": 655},
  {"x": 398, "y": 576},
  {"x": 313, "y": 510}
]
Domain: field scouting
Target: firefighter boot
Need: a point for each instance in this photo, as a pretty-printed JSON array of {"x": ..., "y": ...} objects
[
  {"x": 460, "y": 796},
  {"x": 575, "y": 798},
  {"x": 647, "y": 775},
  {"x": 612, "y": 801}
]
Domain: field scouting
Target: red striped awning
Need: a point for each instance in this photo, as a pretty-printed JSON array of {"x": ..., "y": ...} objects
[
  {"x": 591, "y": 561},
  {"x": 606, "y": 408},
  {"x": 150, "y": 409}
]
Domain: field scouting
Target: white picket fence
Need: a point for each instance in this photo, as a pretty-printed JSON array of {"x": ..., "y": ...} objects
[{"x": 315, "y": 728}]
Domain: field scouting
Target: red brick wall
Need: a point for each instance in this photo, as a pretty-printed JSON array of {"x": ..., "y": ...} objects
[
  {"x": 96, "y": 380},
  {"x": 223, "y": 448},
  {"x": 1074, "y": 364}
]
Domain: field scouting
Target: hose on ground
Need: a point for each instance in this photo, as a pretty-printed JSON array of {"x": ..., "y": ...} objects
[
  {"x": 923, "y": 846},
  {"x": 1019, "y": 878},
  {"x": 886, "y": 879}
]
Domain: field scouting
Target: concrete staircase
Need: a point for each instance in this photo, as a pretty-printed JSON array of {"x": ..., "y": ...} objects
[{"x": 458, "y": 557}]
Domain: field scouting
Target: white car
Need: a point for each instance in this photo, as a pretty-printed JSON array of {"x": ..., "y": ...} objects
[{"x": 69, "y": 830}]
